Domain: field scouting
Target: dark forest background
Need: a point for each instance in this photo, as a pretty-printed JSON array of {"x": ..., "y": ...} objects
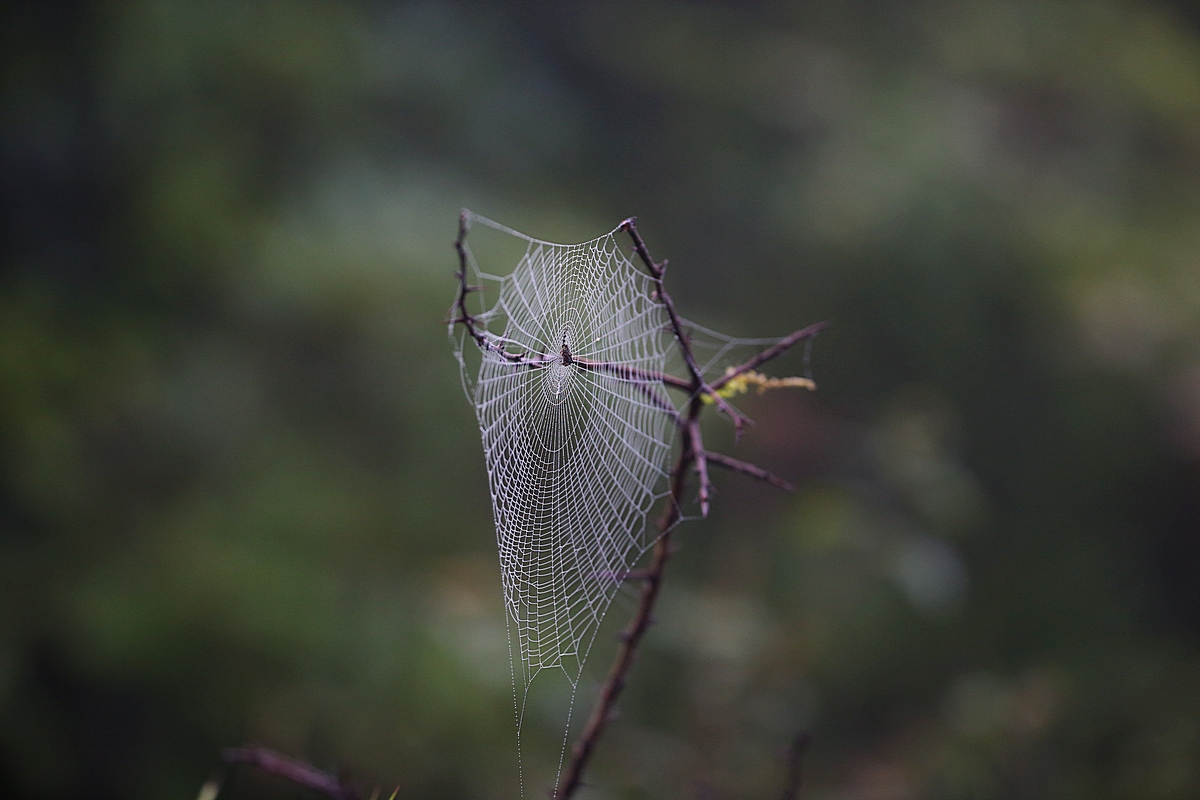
[{"x": 242, "y": 496}]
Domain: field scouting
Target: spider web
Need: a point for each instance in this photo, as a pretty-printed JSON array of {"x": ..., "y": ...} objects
[
  {"x": 577, "y": 431},
  {"x": 576, "y": 456}
]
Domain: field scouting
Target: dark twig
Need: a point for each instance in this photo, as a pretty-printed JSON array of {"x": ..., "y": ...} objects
[
  {"x": 465, "y": 317},
  {"x": 657, "y": 272},
  {"x": 602, "y": 712},
  {"x": 700, "y": 457},
  {"x": 692, "y": 455},
  {"x": 460, "y": 303},
  {"x": 645, "y": 382},
  {"x": 771, "y": 352},
  {"x": 795, "y": 777},
  {"x": 750, "y": 470},
  {"x": 298, "y": 772},
  {"x": 468, "y": 321},
  {"x": 633, "y": 373}
]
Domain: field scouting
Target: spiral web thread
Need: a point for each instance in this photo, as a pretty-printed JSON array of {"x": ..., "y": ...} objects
[{"x": 576, "y": 456}]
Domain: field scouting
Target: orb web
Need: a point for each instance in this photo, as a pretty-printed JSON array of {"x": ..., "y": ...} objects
[{"x": 577, "y": 434}]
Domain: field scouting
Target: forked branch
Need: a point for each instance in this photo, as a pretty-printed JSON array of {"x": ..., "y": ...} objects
[
  {"x": 749, "y": 470},
  {"x": 631, "y": 637},
  {"x": 657, "y": 272},
  {"x": 465, "y": 318},
  {"x": 692, "y": 456}
]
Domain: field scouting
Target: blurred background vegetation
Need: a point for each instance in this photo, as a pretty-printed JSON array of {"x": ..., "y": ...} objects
[{"x": 242, "y": 497}]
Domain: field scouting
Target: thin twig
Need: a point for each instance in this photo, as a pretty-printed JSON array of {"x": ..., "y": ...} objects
[
  {"x": 643, "y": 380},
  {"x": 468, "y": 320},
  {"x": 691, "y": 455},
  {"x": 750, "y": 470},
  {"x": 701, "y": 458},
  {"x": 633, "y": 373},
  {"x": 298, "y": 772},
  {"x": 460, "y": 302},
  {"x": 602, "y": 712},
  {"x": 482, "y": 340},
  {"x": 795, "y": 777},
  {"x": 771, "y": 352},
  {"x": 656, "y": 274}
]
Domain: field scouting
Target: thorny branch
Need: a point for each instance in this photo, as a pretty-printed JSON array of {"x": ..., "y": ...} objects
[
  {"x": 633, "y": 373},
  {"x": 602, "y": 712},
  {"x": 749, "y": 470},
  {"x": 692, "y": 456},
  {"x": 657, "y": 271}
]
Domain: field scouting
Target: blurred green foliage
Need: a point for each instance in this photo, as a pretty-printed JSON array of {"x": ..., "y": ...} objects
[{"x": 242, "y": 498}]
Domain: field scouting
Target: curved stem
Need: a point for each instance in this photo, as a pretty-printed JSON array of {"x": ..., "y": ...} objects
[
  {"x": 298, "y": 772},
  {"x": 631, "y": 637},
  {"x": 657, "y": 271}
]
